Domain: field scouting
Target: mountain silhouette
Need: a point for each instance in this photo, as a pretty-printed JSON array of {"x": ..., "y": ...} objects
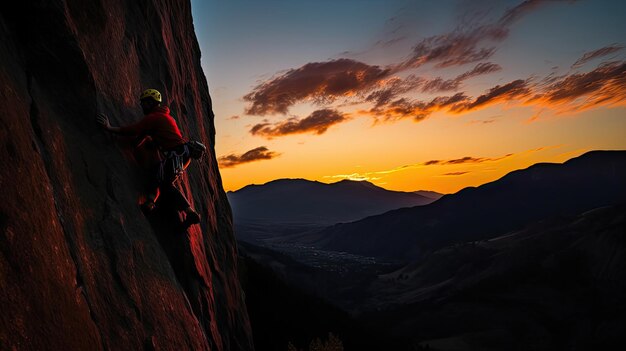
[
  {"x": 555, "y": 284},
  {"x": 595, "y": 179},
  {"x": 304, "y": 201},
  {"x": 429, "y": 194}
]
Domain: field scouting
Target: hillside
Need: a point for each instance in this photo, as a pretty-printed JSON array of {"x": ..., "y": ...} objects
[{"x": 555, "y": 284}]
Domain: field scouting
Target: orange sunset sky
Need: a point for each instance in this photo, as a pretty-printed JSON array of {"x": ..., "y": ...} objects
[{"x": 410, "y": 95}]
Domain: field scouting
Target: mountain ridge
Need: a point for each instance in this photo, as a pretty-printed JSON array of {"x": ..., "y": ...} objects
[
  {"x": 365, "y": 183},
  {"x": 593, "y": 173},
  {"x": 539, "y": 276},
  {"x": 300, "y": 200}
]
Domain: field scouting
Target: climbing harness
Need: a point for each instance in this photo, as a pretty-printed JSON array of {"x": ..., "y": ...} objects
[{"x": 173, "y": 164}]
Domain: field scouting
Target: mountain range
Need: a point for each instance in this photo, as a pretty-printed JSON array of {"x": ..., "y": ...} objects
[
  {"x": 595, "y": 179},
  {"x": 305, "y": 201},
  {"x": 533, "y": 260}
]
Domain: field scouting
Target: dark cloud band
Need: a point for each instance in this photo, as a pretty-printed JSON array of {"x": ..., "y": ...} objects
[
  {"x": 257, "y": 154},
  {"x": 317, "y": 123}
]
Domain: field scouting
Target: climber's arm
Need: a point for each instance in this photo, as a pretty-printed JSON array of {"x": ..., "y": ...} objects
[{"x": 133, "y": 129}]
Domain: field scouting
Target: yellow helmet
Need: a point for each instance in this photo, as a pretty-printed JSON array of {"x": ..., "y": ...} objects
[{"x": 151, "y": 93}]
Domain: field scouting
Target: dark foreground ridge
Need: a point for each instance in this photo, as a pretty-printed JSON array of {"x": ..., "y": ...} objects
[
  {"x": 557, "y": 284},
  {"x": 81, "y": 268}
]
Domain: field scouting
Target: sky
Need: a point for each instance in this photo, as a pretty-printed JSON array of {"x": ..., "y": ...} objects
[{"x": 410, "y": 95}]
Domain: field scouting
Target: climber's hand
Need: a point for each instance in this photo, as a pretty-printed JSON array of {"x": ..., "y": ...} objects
[{"x": 104, "y": 121}]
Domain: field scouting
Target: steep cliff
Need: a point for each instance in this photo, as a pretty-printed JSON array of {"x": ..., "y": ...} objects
[{"x": 80, "y": 266}]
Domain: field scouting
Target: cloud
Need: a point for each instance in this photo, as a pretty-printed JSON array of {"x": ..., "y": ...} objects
[
  {"x": 588, "y": 56},
  {"x": 488, "y": 120},
  {"x": 382, "y": 90},
  {"x": 535, "y": 117},
  {"x": 604, "y": 86},
  {"x": 466, "y": 159},
  {"x": 319, "y": 82},
  {"x": 353, "y": 176},
  {"x": 466, "y": 45},
  {"x": 356, "y": 83},
  {"x": 440, "y": 85},
  {"x": 510, "y": 91},
  {"x": 520, "y": 10},
  {"x": 455, "y": 173},
  {"x": 451, "y": 162},
  {"x": 480, "y": 69},
  {"x": 324, "y": 82},
  {"x": 456, "y": 48},
  {"x": 257, "y": 154},
  {"x": 317, "y": 122},
  {"x": 392, "y": 88},
  {"x": 378, "y": 175},
  {"x": 418, "y": 110},
  {"x": 233, "y": 117},
  {"x": 388, "y": 105}
]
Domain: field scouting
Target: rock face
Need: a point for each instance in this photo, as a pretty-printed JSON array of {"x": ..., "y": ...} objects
[{"x": 80, "y": 266}]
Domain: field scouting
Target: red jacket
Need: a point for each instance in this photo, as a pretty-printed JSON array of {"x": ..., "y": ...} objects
[{"x": 159, "y": 125}]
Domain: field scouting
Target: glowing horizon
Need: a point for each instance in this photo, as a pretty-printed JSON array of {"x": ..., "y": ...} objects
[{"x": 381, "y": 93}]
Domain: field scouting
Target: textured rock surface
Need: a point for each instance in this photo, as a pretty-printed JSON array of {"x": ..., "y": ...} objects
[{"x": 80, "y": 266}]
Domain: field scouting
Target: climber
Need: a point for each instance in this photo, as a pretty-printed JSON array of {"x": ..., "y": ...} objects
[{"x": 160, "y": 127}]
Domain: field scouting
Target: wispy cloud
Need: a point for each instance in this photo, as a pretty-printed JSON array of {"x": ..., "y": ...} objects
[
  {"x": 374, "y": 175},
  {"x": 467, "y": 45},
  {"x": 455, "y": 173},
  {"x": 466, "y": 159},
  {"x": 317, "y": 123},
  {"x": 390, "y": 89},
  {"x": 318, "y": 82},
  {"x": 604, "y": 86},
  {"x": 573, "y": 93},
  {"x": 522, "y": 9},
  {"x": 507, "y": 92},
  {"x": 451, "y": 49},
  {"x": 323, "y": 82},
  {"x": 257, "y": 154},
  {"x": 488, "y": 120},
  {"x": 417, "y": 110},
  {"x": 440, "y": 85},
  {"x": 605, "y": 51},
  {"x": 386, "y": 95},
  {"x": 354, "y": 176}
]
